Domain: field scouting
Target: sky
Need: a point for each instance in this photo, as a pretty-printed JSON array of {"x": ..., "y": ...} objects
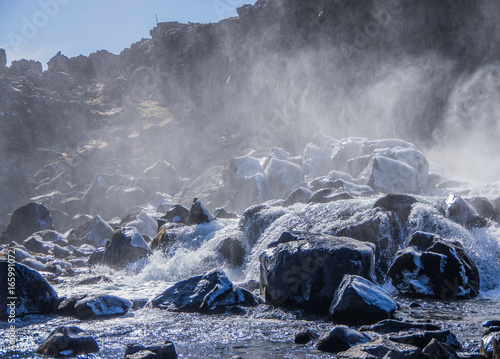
[{"x": 38, "y": 29}]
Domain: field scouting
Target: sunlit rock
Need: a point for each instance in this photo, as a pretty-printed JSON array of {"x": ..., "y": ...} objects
[
  {"x": 208, "y": 293},
  {"x": 432, "y": 267},
  {"x": 95, "y": 232},
  {"x": 32, "y": 292},
  {"x": 125, "y": 247},
  {"x": 305, "y": 269},
  {"x": 25, "y": 221},
  {"x": 458, "y": 210},
  {"x": 359, "y": 301},
  {"x": 68, "y": 341},
  {"x": 164, "y": 350},
  {"x": 89, "y": 307},
  {"x": 345, "y": 150}
]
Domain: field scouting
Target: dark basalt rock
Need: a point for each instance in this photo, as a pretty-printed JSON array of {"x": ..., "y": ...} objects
[
  {"x": 421, "y": 339},
  {"x": 483, "y": 207},
  {"x": 437, "y": 350},
  {"x": 429, "y": 266},
  {"x": 401, "y": 204},
  {"x": 300, "y": 195},
  {"x": 458, "y": 210},
  {"x": 126, "y": 246},
  {"x": 94, "y": 306},
  {"x": 164, "y": 350},
  {"x": 395, "y": 326},
  {"x": 68, "y": 341},
  {"x": 176, "y": 214},
  {"x": 25, "y": 221},
  {"x": 340, "y": 339},
  {"x": 223, "y": 213},
  {"x": 198, "y": 214},
  {"x": 359, "y": 301},
  {"x": 233, "y": 250},
  {"x": 34, "y": 295},
  {"x": 212, "y": 292},
  {"x": 306, "y": 272},
  {"x": 305, "y": 337}
]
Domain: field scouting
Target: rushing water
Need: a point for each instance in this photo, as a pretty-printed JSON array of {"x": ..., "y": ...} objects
[{"x": 261, "y": 332}]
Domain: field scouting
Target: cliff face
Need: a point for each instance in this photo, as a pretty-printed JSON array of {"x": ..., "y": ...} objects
[{"x": 197, "y": 94}]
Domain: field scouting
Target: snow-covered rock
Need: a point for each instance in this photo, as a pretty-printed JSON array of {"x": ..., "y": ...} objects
[
  {"x": 317, "y": 156},
  {"x": 95, "y": 232},
  {"x": 359, "y": 301},
  {"x": 126, "y": 246},
  {"x": 283, "y": 175}
]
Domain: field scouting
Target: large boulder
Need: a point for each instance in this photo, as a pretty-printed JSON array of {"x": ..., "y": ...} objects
[
  {"x": 209, "y": 293},
  {"x": 429, "y": 266},
  {"x": 32, "y": 292},
  {"x": 359, "y": 301},
  {"x": 94, "y": 306},
  {"x": 68, "y": 341},
  {"x": 458, "y": 210},
  {"x": 256, "y": 219},
  {"x": 283, "y": 175},
  {"x": 126, "y": 246},
  {"x": 25, "y": 221},
  {"x": 340, "y": 339},
  {"x": 305, "y": 269}
]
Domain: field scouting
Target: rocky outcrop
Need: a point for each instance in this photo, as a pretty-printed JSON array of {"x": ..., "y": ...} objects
[
  {"x": 32, "y": 292},
  {"x": 66, "y": 341},
  {"x": 126, "y": 246},
  {"x": 25, "y": 221},
  {"x": 305, "y": 269},
  {"x": 430, "y": 266}
]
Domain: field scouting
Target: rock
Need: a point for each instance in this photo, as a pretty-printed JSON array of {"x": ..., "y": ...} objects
[
  {"x": 95, "y": 232},
  {"x": 94, "y": 306},
  {"x": 282, "y": 175},
  {"x": 25, "y": 221},
  {"x": 198, "y": 214},
  {"x": 60, "y": 252},
  {"x": 345, "y": 150},
  {"x": 164, "y": 350},
  {"x": 307, "y": 271},
  {"x": 3, "y": 59},
  {"x": 429, "y": 266},
  {"x": 401, "y": 204},
  {"x": 33, "y": 294},
  {"x": 421, "y": 339},
  {"x": 256, "y": 219},
  {"x": 317, "y": 156},
  {"x": 490, "y": 345},
  {"x": 96, "y": 257},
  {"x": 483, "y": 207},
  {"x": 300, "y": 195},
  {"x": 68, "y": 341},
  {"x": 208, "y": 293},
  {"x": 328, "y": 195},
  {"x": 221, "y": 213},
  {"x": 381, "y": 348},
  {"x": 340, "y": 339},
  {"x": 458, "y": 210},
  {"x": 35, "y": 243},
  {"x": 34, "y": 264},
  {"x": 176, "y": 214},
  {"x": 166, "y": 236},
  {"x": 359, "y": 301},
  {"x": 126, "y": 246},
  {"x": 305, "y": 337},
  {"x": 491, "y": 323},
  {"x": 394, "y": 326},
  {"x": 171, "y": 183},
  {"x": 233, "y": 250},
  {"x": 437, "y": 350}
]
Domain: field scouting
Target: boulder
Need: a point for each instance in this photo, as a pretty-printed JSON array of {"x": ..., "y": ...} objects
[
  {"x": 317, "y": 156},
  {"x": 126, "y": 246},
  {"x": 68, "y": 341},
  {"x": 171, "y": 183},
  {"x": 222, "y": 213},
  {"x": 326, "y": 195},
  {"x": 95, "y": 232},
  {"x": 359, "y": 301},
  {"x": 437, "y": 350},
  {"x": 458, "y": 210},
  {"x": 300, "y": 195},
  {"x": 3, "y": 59},
  {"x": 256, "y": 219},
  {"x": 381, "y": 348},
  {"x": 209, "y": 293},
  {"x": 345, "y": 150},
  {"x": 198, "y": 214},
  {"x": 305, "y": 337},
  {"x": 421, "y": 339},
  {"x": 233, "y": 250},
  {"x": 119, "y": 199},
  {"x": 166, "y": 236},
  {"x": 340, "y": 339},
  {"x": 25, "y": 221},
  {"x": 395, "y": 326},
  {"x": 176, "y": 214},
  {"x": 483, "y": 207},
  {"x": 307, "y": 270},
  {"x": 429, "y": 266},
  {"x": 164, "y": 350},
  {"x": 35, "y": 243},
  {"x": 400, "y": 204},
  {"x": 282, "y": 175},
  {"x": 32, "y": 292},
  {"x": 94, "y": 306}
]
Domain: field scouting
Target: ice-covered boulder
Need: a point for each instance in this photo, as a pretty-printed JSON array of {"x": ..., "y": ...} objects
[
  {"x": 283, "y": 175},
  {"x": 32, "y": 292},
  {"x": 25, "y": 221},
  {"x": 95, "y": 232},
  {"x": 68, "y": 342},
  {"x": 208, "y": 293},
  {"x": 144, "y": 223},
  {"x": 346, "y": 149},
  {"x": 305, "y": 269},
  {"x": 94, "y": 306},
  {"x": 359, "y": 301},
  {"x": 429, "y": 266},
  {"x": 126, "y": 246}
]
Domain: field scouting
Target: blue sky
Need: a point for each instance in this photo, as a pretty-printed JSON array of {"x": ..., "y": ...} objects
[{"x": 38, "y": 29}]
